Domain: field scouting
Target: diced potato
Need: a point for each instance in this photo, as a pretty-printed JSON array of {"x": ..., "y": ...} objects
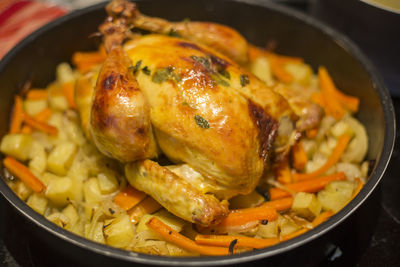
[
  {"x": 73, "y": 131},
  {"x": 60, "y": 158},
  {"x": 108, "y": 182},
  {"x": 246, "y": 201},
  {"x": 340, "y": 128},
  {"x": 64, "y": 73},
  {"x": 61, "y": 191},
  {"x": 79, "y": 169},
  {"x": 310, "y": 146},
  {"x": 22, "y": 190},
  {"x": 59, "y": 219},
  {"x": 43, "y": 139},
  {"x": 38, "y": 203},
  {"x": 72, "y": 215},
  {"x": 262, "y": 69},
  {"x": 352, "y": 171},
  {"x": 46, "y": 177},
  {"x": 269, "y": 230},
  {"x": 286, "y": 225},
  {"x": 324, "y": 127},
  {"x": 33, "y": 107},
  {"x": 38, "y": 158},
  {"x": 56, "y": 98},
  {"x": 358, "y": 146},
  {"x": 97, "y": 234},
  {"x": 56, "y": 120},
  {"x": 300, "y": 72},
  {"x": 306, "y": 205},
  {"x": 17, "y": 146},
  {"x": 91, "y": 191},
  {"x": 119, "y": 232},
  {"x": 336, "y": 195},
  {"x": 364, "y": 169}
]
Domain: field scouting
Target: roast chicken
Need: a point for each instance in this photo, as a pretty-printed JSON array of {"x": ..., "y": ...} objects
[{"x": 187, "y": 97}]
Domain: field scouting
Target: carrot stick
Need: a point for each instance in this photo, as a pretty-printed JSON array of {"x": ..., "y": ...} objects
[
  {"x": 174, "y": 237},
  {"x": 279, "y": 204},
  {"x": 26, "y": 129},
  {"x": 241, "y": 241},
  {"x": 36, "y": 94},
  {"x": 128, "y": 197},
  {"x": 312, "y": 133},
  {"x": 279, "y": 71},
  {"x": 39, "y": 125},
  {"x": 243, "y": 216},
  {"x": 350, "y": 103},
  {"x": 17, "y": 115},
  {"x": 69, "y": 93},
  {"x": 308, "y": 186},
  {"x": 146, "y": 206},
  {"x": 87, "y": 60},
  {"x": 317, "y": 221},
  {"x": 299, "y": 156},
  {"x": 43, "y": 115},
  {"x": 284, "y": 174},
  {"x": 332, "y": 160},
  {"x": 23, "y": 173}
]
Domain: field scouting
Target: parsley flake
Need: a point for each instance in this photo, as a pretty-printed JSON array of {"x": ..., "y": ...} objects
[
  {"x": 244, "y": 80},
  {"x": 163, "y": 74},
  {"x": 219, "y": 80},
  {"x": 173, "y": 33},
  {"x": 146, "y": 70},
  {"x": 203, "y": 61},
  {"x": 201, "y": 122},
  {"x": 137, "y": 66},
  {"x": 225, "y": 73}
]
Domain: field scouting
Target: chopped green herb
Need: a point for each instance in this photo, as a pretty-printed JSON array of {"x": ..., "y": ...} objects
[
  {"x": 244, "y": 79},
  {"x": 146, "y": 70},
  {"x": 137, "y": 66},
  {"x": 164, "y": 74},
  {"x": 225, "y": 73},
  {"x": 172, "y": 32},
  {"x": 219, "y": 80},
  {"x": 201, "y": 122},
  {"x": 203, "y": 61}
]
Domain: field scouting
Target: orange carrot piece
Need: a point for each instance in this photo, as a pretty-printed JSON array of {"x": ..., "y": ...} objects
[
  {"x": 241, "y": 241},
  {"x": 146, "y": 206},
  {"x": 308, "y": 186},
  {"x": 332, "y": 160},
  {"x": 176, "y": 238},
  {"x": 128, "y": 197},
  {"x": 69, "y": 93},
  {"x": 284, "y": 174},
  {"x": 279, "y": 71},
  {"x": 36, "y": 94},
  {"x": 87, "y": 60},
  {"x": 26, "y": 129},
  {"x": 23, "y": 173},
  {"x": 43, "y": 115},
  {"x": 299, "y": 156},
  {"x": 39, "y": 125},
  {"x": 312, "y": 133},
  {"x": 350, "y": 103},
  {"x": 317, "y": 221},
  {"x": 17, "y": 115},
  {"x": 281, "y": 204},
  {"x": 243, "y": 216}
]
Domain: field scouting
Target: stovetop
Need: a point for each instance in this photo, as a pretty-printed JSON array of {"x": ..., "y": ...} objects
[{"x": 373, "y": 232}]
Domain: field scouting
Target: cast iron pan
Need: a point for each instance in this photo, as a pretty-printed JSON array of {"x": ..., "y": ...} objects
[{"x": 295, "y": 34}]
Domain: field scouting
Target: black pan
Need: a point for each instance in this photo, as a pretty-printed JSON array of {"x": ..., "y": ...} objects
[{"x": 295, "y": 34}]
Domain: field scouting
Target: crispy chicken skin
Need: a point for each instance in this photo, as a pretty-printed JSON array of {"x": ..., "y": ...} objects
[
  {"x": 119, "y": 119},
  {"x": 187, "y": 98}
]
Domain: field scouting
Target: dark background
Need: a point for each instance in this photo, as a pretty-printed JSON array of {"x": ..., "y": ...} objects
[{"x": 373, "y": 232}]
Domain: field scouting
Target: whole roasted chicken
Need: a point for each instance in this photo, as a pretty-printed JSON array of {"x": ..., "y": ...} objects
[{"x": 185, "y": 96}]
